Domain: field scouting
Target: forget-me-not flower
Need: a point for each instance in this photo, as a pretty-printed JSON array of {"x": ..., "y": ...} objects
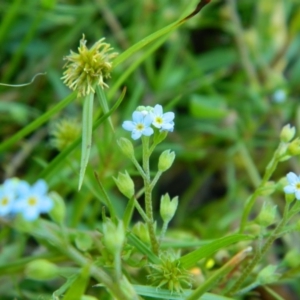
[
  {"x": 163, "y": 121},
  {"x": 140, "y": 125},
  {"x": 8, "y": 194},
  {"x": 294, "y": 185},
  {"x": 33, "y": 200}
]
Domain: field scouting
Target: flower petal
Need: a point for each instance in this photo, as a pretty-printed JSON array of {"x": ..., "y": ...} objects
[
  {"x": 137, "y": 117},
  {"x": 158, "y": 110},
  {"x": 128, "y": 125},
  {"x": 148, "y": 120},
  {"x": 297, "y": 194},
  {"x": 169, "y": 116},
  {"x": 136, "y": 134},
  {"x": 30, "y": 214},
  {"x": 292, "y": 178},
  {"x": 40, "y": 187},
  {"x": 289, "y": 189},
  {"x": 148, "y": 131}
]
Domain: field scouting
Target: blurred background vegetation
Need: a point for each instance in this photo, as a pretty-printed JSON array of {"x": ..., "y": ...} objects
[{"x": 231, "y": 75}]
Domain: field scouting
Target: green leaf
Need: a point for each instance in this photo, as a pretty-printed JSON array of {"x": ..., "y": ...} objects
[
  {"x": 37, "y": 122},
  {"x": 189, "y": 260},
  {"x": 55, "y": 163},
  {"x": 78, "y": 287},
  {"x": 208, "y": 107},
  {"x": 87, "y": 130},
  {"x": 103, "y": 103},
  {"x": 143, "y": 248},
  {"x": 153, "y": 292}
]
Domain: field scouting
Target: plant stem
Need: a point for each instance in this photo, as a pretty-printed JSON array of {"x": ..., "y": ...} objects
[
  {"x": 259, "y": 254},
  {"x": 148, "y": 195}
]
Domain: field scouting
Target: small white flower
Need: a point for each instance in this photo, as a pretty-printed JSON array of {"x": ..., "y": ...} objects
[
  {"x": 140, "y": 125},
  {"x": 163, "y": 121},
  {"x": 8, "y": 193},
  {"x": 33, "y": 200},
  {"x": 294, "y": 185}
]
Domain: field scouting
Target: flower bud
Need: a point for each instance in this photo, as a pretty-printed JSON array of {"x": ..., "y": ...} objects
[
  {"x": 160, "y": 136},
  {"x": 126, "y": 147},
  {"x": 287, "y": 133},
  {"x": 140, "y": 230},
  {"x": 125, "y": 184},
  {"x": 113, "y": 236},
  {"x": 294, "y": 147},
  {"x": 41, "y": 269},
  {"x": 267, "y": 275},
  {"x": 268, "y": 189},
  {"x": 83, "y": 241},
  {"x": 88, "y": 297},
  {"x": 267, "y": 215},
  {"x": 168, "y": 207},
  {"x": 292, "y": 258},
  {"x": 166, "y": 160},
  {"x": 58, "y": 211}
]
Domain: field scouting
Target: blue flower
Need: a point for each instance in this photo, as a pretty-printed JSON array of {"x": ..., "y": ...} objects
[
  {"x": 294, "y": 185},
  {"x": 8, "y": 194},
  {"x": 32, "y": 200},
  {"x": 140, "y": 125},
  {"x": 163, "y": 121}
]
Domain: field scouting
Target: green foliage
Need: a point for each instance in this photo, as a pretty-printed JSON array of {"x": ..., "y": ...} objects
[{"x": 230, "y": 74}]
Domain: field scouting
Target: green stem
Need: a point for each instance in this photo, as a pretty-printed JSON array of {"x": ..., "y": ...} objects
[
  {"x": 268, "y": 173},
  {"x": 259, "y": 254},
  {"x": 148, "y": 195},
  {"x": 163, "y": 231}
]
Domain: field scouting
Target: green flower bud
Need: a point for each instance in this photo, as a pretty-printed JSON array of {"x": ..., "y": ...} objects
[
  {"x": 83, "y": 241},
  {"x": 292, "y": 258},
  {"x": 168, "y": 207},
  {"x": 267, "y": 275},
  {"x": 294, "y": 147},
  {"x": 268, "y": 189},
  {"x": 113, "y": 236},
  {"x": 125, "y": 184},
  {"x": 87, "y": 297},
  {"x": 166, "y": 160},
  {"x": 58, "y": 212},
  {"x": 41, "y": 269},
  {"x": 289, "y": 198},
  {"x": 287, "y": 133},
  {"x": 159, "y": 136},
  {"x": 267, "y": 215},
  {"x": 64, "y": 133},
  {"x": 141, "y": 230},
  {"x": 126, "y": 147}
]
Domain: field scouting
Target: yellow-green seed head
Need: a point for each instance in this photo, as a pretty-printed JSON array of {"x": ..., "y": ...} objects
[
  {"x": 89, "y": 67},
  {"x": 64, "y": 133},
  {"x": 169, "y": 273}
]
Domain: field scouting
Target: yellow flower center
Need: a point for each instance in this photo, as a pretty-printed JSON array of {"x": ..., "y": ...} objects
[
  {"x": 4, "y": 201},
  {"x": 32, "y": 201},
  {"x": 159, "y": 120},
  {"x": 140, "y": 126},
  {"x": 298, "y": 186}
]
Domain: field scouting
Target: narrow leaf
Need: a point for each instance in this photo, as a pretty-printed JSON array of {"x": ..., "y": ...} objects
[
  {"x": 155, "y": 293},
  {"x": 143, "y": 248},
  {"x": 189, "y": 260},
  {"x": 87, "y": 129},
  {"x": 224, "y": 270},
  {"x": 78, "y": 287}
]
